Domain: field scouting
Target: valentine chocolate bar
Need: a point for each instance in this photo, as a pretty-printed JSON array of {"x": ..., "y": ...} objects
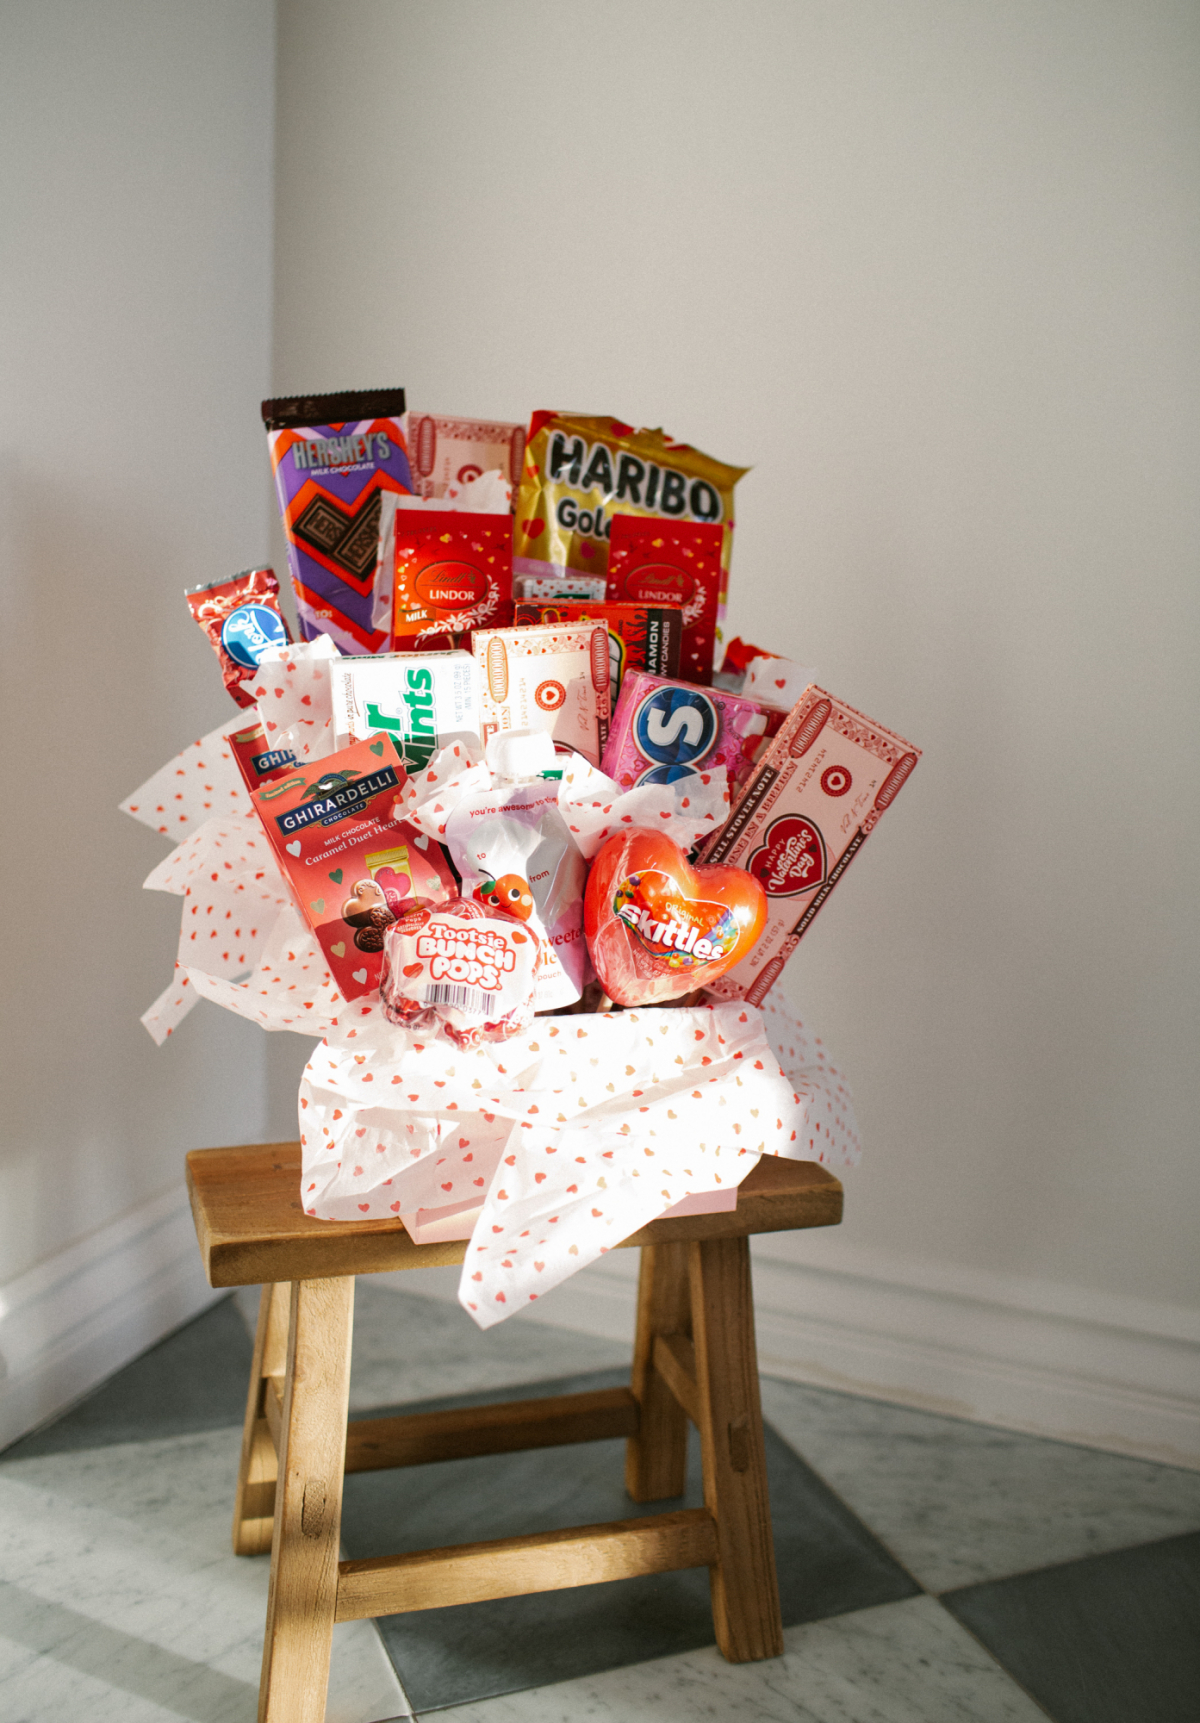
[
  {"x": 664, "y": 730},
  {"x": 560, "y": 588},
  {"x": 333, "y": 456},
  {"x": 801, "y": 819},
  {"x": 547, "y": 678}
]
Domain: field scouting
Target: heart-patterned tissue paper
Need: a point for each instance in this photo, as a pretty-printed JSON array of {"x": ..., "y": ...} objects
[
  {"x": 201, "y": 782},
  {"x": 295, "y": 697},
  {"x": 593, "y": 806},
  {"x": 576, "y": 1132}
]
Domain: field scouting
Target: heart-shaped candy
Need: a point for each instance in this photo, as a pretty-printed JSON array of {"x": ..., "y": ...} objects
[{"x": 657, "y": 927}]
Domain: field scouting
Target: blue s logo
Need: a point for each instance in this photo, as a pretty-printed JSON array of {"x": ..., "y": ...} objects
[{"x": 675, "y": 729}]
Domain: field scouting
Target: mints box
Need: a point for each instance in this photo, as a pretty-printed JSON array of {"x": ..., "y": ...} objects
[
  {"x": 664, "y": 730},
  {"x": 352, "y": 868},
  {"x": 551, "y": 678},
  {"x": 802, "y": 818},
  {"x": 424, "y": 701}
]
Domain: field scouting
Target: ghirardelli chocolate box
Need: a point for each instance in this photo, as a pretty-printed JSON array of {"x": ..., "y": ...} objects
[{"x": 802, "y": 817}]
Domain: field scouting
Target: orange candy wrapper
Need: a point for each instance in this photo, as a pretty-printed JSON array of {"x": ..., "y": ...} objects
[{"x": 658, "y": 928}]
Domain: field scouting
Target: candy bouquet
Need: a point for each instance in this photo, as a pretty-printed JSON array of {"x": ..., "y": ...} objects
[{"x": 498, "y": 832}]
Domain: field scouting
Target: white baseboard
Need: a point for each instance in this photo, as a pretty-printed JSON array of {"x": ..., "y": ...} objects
[
  {"x": 75, "y": 1318},
  {"x": 1049, "y": 1360},
  {"x": 1022, "y": 1355}
]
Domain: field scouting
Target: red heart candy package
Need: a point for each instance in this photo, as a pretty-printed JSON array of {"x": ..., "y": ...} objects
[{"x": 658, "y": 928}]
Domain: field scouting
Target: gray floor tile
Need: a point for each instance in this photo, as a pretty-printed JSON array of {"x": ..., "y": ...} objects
[
  {"x": 122, "y": 1598},
  {"x": 194, "y": 1380},
  {"x": 959, "y": 1503},
  {"x": 827, "y": 1562},
  {"x": 409, "y": 1348},
  {"x": 901, "y": 1663},
  {"x": 1113, "y": 1639}
]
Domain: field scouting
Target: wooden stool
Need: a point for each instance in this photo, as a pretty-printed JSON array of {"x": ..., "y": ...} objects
[{"x": 694, "y": 1358}]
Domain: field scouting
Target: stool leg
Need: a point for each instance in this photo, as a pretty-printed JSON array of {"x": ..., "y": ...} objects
[
  {"x": 308, "y": 1510},
  {"x": 656, "y": 1458},
  {"x": 254, "y": 1503},
  {"x": 745, "y": 1589}
]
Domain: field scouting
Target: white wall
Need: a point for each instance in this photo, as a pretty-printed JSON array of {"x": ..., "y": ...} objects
[
  {"x": 932, "y": 268},
  {"x": 136, "y": 151}
]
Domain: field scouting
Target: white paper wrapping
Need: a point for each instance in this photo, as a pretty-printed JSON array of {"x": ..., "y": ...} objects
[
  {"x": 574, "y": 1134},
  {"x": 295, "y": 697},
  {"x": 593, "y": 806}
]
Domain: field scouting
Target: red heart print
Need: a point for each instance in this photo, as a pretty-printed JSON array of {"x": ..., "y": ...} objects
[
  {"x": 411, "y": 969},
  {"x": 364, "y": 1207},
  {"x": 533, "y": 528},
  {"x": 791, "y": 858},
  {"x": 658, "y": 928}
]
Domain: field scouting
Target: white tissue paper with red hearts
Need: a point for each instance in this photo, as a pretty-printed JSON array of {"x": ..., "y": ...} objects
[
  {"x": 593, "y": 806},
  {"x": 238, "y": 913},
  {"x": 573, "y": 1134}
]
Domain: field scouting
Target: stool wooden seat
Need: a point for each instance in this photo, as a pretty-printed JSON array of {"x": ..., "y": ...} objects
[{"x": 694, "y": 1358}]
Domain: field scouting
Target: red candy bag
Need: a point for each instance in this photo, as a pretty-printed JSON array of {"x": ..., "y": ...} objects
[
  {"x": 243, "y": 620},
  {"x": 460, "y": 970},
  {"x": 672, "y": 562}
]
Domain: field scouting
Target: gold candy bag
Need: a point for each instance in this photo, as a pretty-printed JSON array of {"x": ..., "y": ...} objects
[{"x": 579, "y": 471}]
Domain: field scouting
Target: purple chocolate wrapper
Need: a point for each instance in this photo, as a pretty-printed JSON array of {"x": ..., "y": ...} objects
[{"x": 332, "y": 456}]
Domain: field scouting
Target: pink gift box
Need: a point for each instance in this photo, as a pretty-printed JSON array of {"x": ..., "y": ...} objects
[{"x": 457, "y": 1220}]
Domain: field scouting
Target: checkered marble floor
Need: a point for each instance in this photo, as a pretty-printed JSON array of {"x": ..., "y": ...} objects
[{"x": 933, "y": 1571}]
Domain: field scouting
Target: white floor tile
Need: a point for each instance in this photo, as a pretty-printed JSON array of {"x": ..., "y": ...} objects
[
  {"x": 123, "y": 1598},
  {"x": 958, "y": 1502}
]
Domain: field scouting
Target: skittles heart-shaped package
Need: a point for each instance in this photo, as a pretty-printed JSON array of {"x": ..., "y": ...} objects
[{"x": 658, "y": 928}]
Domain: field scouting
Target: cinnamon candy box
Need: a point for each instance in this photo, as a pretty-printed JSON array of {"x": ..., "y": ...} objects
[{"x": 801, "y": 819}]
